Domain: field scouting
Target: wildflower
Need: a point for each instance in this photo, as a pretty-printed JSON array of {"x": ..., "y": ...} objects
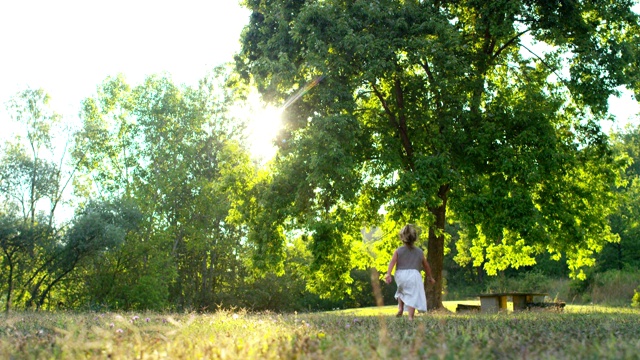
[
  {"x": 347, "y": 326},
  {"x": 111, "y": 325},
  {"x": 147, "y": 319},
  {"x": 119, "y": 331},
  {"x": 235, "y": 316},
  {"x": 135, "y": 318}
]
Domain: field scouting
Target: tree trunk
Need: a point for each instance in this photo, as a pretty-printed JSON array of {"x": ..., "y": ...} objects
[
  {"x": 47, "y": 290},
  {"x": 435, "y": 252},
  {"x": 620, "y": 260},
  {"x": 480, "y": 272},
  {"x": 9, "y": 285}
]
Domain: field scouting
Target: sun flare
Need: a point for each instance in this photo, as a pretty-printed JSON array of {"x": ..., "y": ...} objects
[{"x": 263, "y": 124}]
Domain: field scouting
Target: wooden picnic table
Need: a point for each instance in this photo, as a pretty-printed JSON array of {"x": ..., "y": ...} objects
[{"x": 498, "y": 301}]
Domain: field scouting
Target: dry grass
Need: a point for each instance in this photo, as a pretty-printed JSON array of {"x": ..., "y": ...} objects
[
  {"x": 589, "y": 332},
  {"x": 614, "y": 287}
]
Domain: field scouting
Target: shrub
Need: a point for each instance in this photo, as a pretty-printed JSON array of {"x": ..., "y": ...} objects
[
  {"x": 528, "y": 281},
  {"x": 580, "y": 290},
  {"x": 558, "y": 289},
  {"x": 635, "y": 301},
  {"x": 534, "y": 281},
  {"x": 149, "y": 293}
]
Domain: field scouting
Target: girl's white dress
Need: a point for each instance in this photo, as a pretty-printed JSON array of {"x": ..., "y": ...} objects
[{"x": 411, "y": 289}]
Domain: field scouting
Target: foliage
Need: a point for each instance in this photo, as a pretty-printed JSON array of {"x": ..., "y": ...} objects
[
  {"x": 176, "y": 152},
  {"x": 26, "y": 180},
  {"x": 19, "y": 241},
  {"x": 38, "y": 252},
  {"x": 416, "y": 108},
  {"x": 166, "y": 193},
  {"x": 625, "y": 254},
  {"x": 37, "y": 260},
  {"x": 369, "y": 334},
  {"x": 635, "y": 301},
  {"x": 289, "y": 291},
  {"x": 528, "y": 281},
  {"x": 34, "y": 177}
]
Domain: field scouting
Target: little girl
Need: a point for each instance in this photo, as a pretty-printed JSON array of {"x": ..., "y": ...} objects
[{"x": 409, "y": 260}]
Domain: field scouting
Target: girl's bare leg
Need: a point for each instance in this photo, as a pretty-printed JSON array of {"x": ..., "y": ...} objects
[
  {"x": 400, "y": 307},
  {"x": 412, "y": 311}
]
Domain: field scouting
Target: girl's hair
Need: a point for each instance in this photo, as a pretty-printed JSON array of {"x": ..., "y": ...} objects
[{"x": 408, "y": 235}]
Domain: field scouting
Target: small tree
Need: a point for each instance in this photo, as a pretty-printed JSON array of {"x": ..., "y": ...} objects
[{"x": 18, "y": 241}]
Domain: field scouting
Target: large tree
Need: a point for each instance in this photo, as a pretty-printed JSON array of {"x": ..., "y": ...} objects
[{"x": 488, "y": 109}]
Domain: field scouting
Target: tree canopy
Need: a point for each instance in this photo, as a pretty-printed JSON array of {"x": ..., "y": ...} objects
[{"x": 411, "y": 110}]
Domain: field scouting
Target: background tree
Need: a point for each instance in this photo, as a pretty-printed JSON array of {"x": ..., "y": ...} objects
[
  {"x": 33, "y": 185},
  {"x": 30, "y": 108},
  {"x": 427, "y": 106},
  {"x": 625, "y": 254},
  {"x": 35, "y": 174},
  {"x": 97, "y": 228},
  {"x": 18, "y": 241},
  {"x": 176, "y": 151}
]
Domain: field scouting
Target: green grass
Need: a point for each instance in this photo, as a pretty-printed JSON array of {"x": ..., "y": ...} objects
[{"x": 581, "y": 332}]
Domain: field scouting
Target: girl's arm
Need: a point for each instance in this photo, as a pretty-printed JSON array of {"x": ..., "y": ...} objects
[
  {"x": 427, "y": 269},
  {"x": 392, "y": 263}
]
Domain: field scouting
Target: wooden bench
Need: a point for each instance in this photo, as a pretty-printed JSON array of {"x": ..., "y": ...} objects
[{"x": 498, "y": 301}]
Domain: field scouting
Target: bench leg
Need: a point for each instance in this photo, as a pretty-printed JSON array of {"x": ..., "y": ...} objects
[
  {"x": 519, "y": 302},
  {"x": 503, "y": 303}
]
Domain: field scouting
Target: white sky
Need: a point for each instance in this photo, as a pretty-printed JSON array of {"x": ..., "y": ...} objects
[{"x": 68, "y": 47}]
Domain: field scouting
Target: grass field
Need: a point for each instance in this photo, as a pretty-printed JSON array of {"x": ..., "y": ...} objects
[{"x": 587, "y": 332}]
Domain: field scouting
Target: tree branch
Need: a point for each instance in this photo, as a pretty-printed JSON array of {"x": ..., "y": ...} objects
[
  {"x": 402, "y": 125},
  {"x": 548, "y": 66},
  {"x": 387, "y": 110},
  {"x": 508, "y": 43},
  {"x": 394, "y": 123}
]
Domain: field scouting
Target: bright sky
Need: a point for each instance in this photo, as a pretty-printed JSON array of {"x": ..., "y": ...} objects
[{"x": 68, "y": 47}]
